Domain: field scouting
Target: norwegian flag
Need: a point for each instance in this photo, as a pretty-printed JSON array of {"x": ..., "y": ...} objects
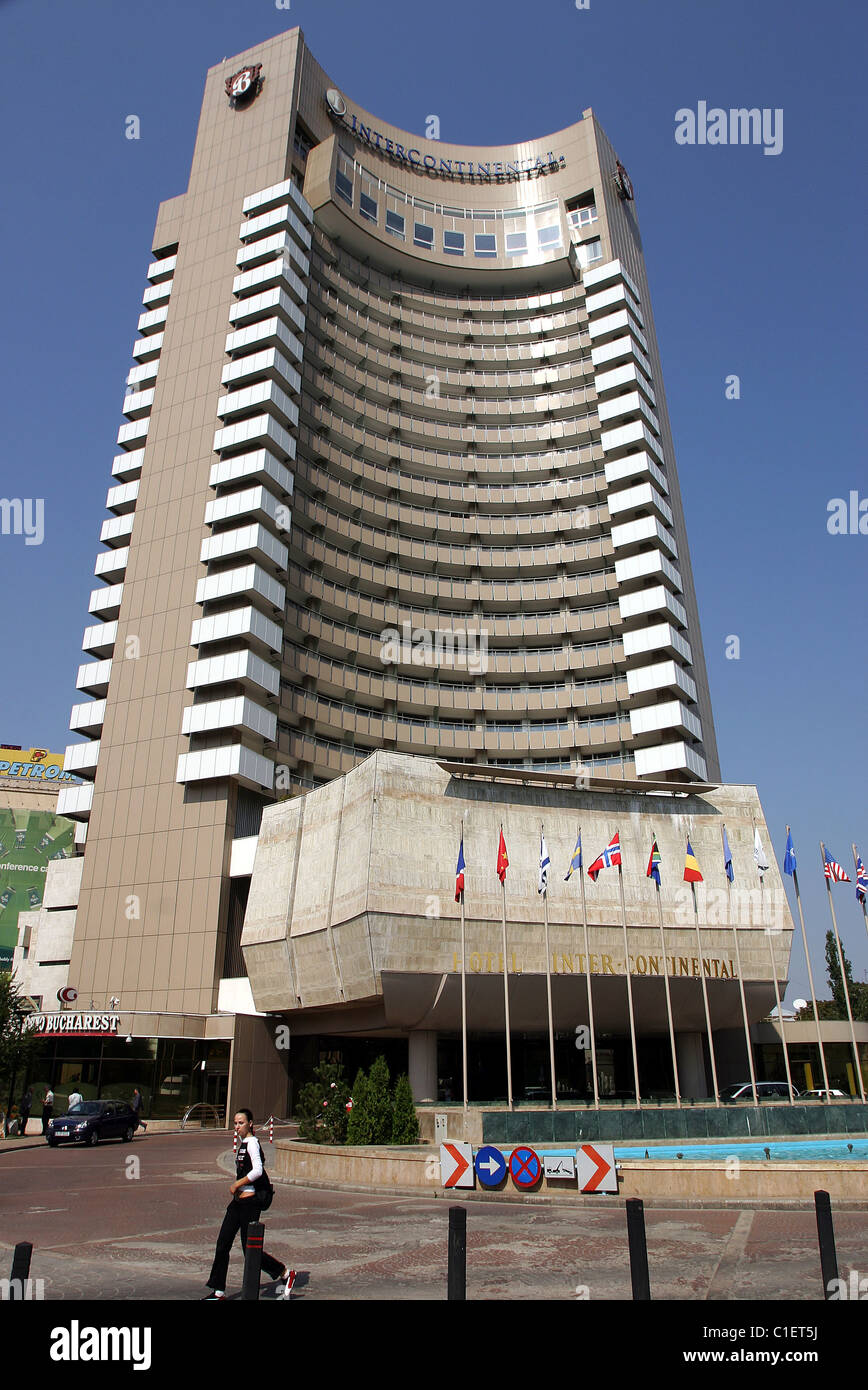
[
  {"x": 609, "y": 859},
  {"x": 861, "y": 880},
  {"x": 832, "y": 869}
]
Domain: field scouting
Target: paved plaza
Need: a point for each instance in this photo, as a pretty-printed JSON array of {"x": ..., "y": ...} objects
[{"x": 138, "y": 1222}]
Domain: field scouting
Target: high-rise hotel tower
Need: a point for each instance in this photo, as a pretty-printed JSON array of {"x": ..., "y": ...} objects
[{"x": 396, "y": 473}]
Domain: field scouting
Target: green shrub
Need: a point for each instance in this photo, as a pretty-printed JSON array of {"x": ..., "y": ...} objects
[
  {"x": 359, "y": 1126},
  {"x": 405, "y": 1125},
  {"x": 321, "y": 1112}
]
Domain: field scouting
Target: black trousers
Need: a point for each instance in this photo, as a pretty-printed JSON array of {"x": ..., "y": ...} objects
[
  {"x": 23, "y": 1117},
  {"x": 239, "y": 1214},
  {"x": 47, "y": 1112}
]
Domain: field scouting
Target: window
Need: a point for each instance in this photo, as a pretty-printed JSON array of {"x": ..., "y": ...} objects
[
  {"x": 423, "y": 235},
  {"x": 485, "y": 244},
  {"x": 395, "y": 224},
  {"x": 548, "y": 237},
  {"x": 368, "y": 206},
  {"x": 516, "y": 243},
  {"x": 453, "y": 243},
  {"x": 344, "y": 187},
  {"x": 589, "y": 251}
]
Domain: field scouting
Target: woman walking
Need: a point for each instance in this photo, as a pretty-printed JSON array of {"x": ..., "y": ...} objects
[{"x": 244, "y": 1207}]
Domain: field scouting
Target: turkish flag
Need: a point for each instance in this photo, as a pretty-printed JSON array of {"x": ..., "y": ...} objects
[{"x": 502, "y": 860}]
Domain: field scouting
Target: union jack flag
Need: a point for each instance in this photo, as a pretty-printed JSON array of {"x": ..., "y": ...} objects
[
  {"x": 861, "y": 880},
  {"x": 833, "y": 870}
]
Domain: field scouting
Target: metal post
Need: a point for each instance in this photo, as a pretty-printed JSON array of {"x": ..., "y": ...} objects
[
  {"x": 638, "y": 1250},
  {"x": 253, "y": 1260},
  {"x": 21, "y": 1262},
  {"x": 588, "y": 983},
  {"x": 456, "y": 1277},
  {"x": 826, "y": 1237}
]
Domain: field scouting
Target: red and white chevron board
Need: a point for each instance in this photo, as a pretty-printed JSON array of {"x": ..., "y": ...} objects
[{"x": 595, "y": 1168}]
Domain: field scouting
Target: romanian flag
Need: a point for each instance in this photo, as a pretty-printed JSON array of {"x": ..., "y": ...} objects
[
  {"x": 459, "y": 873},
  {"x": 654, "y": 862},
  {"x": 610, "y": 858},
  {"x": 502, "y": 860},
  {"x": 691, "y": 868}
]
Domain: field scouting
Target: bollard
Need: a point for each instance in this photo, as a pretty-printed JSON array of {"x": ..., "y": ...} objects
[
  {"x": 253, "y": 1260},
  {"x": 456, "y": 1279},
  {"x": 21, "y": 1263},
  {"x": 826, "y": 1237},
  {"x": 638, "y": 1249}
]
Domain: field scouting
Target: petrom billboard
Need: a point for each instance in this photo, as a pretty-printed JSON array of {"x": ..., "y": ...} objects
[{"x": 29, "y": 840}]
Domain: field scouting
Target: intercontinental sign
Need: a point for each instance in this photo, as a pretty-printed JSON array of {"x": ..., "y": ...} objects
[{"x": 497, "y": 171}]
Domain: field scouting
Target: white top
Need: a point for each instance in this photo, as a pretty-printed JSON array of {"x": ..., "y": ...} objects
[{"x": 254, "y": 1151}]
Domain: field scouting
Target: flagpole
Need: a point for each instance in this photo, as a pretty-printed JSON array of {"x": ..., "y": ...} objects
[
  {"x": 750, "y": 1061},
  {"x": 810, "y": 977},
  {"x": 506, "y": 989},
  {"x": 629, "y": 987},
  {"x": 666, "y": 983},
  {"x": 768, "y": 935},
  {"x": 843, "y": 978},
  {"x": 463, "y": 992},
  {"x": 545, "y": 898},
  {"x": 705, "y": 996},
  {"x": 588, "y": 982},
  {"x": 861, "y": 900}
]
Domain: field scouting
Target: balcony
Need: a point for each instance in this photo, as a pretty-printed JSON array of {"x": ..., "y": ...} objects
[
  {"x": 615, "y": 297},
  {"x": 277, "y": 271},
  {"x": 265, "y": 331},
  {"x": 261, "y": 429},
  {"x": 106, "y": 603},
  {"x": 671, "y": 757},
  {"x": 75, "y": 802},
  {"x": 269, "y": 363},
  {"x": 614, "y": 325},
  {"x": 152, "y": 321},
  {"x": 622, "y": 377},
  {"x": 137, "y": 404},
  {"x": 276, "y": 219},
  {"x": 254, "y": 541},
  {"x": 627, "y": 407},
  {"x": 654, "y": 600},
  {"x": 647, "y": 562},
  {"x": 261, "y": 633},
  {"x": 664, "y": 675},
  {"x": 280, "y": 244},
  {"x": 634, "y": 535},
  {"x": 111, "y": 565},
  {"x": 93, "y": 678},
  {"x": 87, "y": 718},
  {"x": 647, "y": 721},
  {"x": 278, "y": 193},
  {"x": 625, "y": 437},
  {"x": 235, "y": 713},
  {"x": 128, "y": 466},
  {"x": 130, "y": 436},
  {"x": 161, "y": 270},
  {"x": 157, "y": 294},
  {"x": 271, "y": 303},
  {"x": 122, "y": 499},
  {"x": 242, "y": 668},
  {"x": 661, "y": 637},
  {"x": 256, "y": 503},
  {"x": 260, "y": 393},
  {"x": 249, "y": 581},
  {"x": 642, "y": 498},
  {"x": 211, "y": 764},
  {"x": 81, "y": 759},
  {"x": 117, "y": 530},
  {"x": 633, "y": 465},
  {"x": 99, "y": 639},
  {"x": 259, "y": 466},
  {"x": 618, "y": 350},
  {"x": 148, "y": 348}
]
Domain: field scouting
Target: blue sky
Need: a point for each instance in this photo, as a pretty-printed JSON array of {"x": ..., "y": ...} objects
[{"x": 754, "y": 265}]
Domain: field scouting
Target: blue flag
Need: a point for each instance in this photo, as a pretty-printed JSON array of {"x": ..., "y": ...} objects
[
  {"x": 790, "y": 855},
  {"x": 727, "y": 857},
  {"x": 576, "y": 861}
]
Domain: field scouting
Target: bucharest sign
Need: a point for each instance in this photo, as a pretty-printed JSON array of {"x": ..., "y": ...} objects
[{"x": 69, "y": 1025}]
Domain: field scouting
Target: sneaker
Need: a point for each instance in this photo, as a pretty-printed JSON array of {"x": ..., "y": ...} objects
[
  {"x": 209, "y": 1297},
  {"x": 287, "y": 1278}
]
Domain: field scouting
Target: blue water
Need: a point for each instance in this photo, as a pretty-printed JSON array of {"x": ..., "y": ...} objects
[{"x": 809, "y": 1149}]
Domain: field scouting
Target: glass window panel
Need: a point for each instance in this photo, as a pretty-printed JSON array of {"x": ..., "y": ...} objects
[
  {"x": 486, "y": 244},
  {"x": 549, "y": 236},
  {"x": 368, "y": 207},
  {"x": 423, "y": 235},
  {"x": 453, "y": 243},
  {"x": 516, "y": 243},
  {"x": 395, "y": 224},
  {"x": 344, "y": 187}
]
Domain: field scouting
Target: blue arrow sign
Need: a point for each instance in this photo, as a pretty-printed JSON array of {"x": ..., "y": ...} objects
[{"x": 490, "y": 1166}]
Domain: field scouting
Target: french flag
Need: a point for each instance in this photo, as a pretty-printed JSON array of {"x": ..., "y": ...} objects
[{"x": 459, "y": 873}]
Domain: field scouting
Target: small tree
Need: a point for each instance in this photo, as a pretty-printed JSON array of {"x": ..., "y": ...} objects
[
  {"x": 379, "y": 1103},
  {"x": 322, "y": 1113},
  {"x": 18, "y": 1046},
  {"x": 359, "y": 1126},
  {"x": 405, "y": 1125}
]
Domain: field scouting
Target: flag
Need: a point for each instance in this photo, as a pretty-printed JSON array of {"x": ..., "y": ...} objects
[
  {"x": 691, "y": 868},
  {"x": 861, "y": 880},
  {"x": 544, "y": 865},
  {"x": 459, "y": 873},
  {"x": 502, "y": 860},
  {"x": 759, "y": 853},
  {"x": 654, "y": 862},
  {"x": 834, "y": 870},
  {"x": 576, "y": 861},
  {"x": 790, "y": 855},
  {"x": 610, "y": 858},
  {"x": 727, "y": 857}
]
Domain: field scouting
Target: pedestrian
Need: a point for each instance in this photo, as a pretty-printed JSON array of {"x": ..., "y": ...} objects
[
  {"x": 244, "y": 1207},
  {"x": 24, "y": 1110},
  {"x": 47, "y": 1108},
  {"x": 75, "y": 1098},
  {"x": 136, "y": 1104}
]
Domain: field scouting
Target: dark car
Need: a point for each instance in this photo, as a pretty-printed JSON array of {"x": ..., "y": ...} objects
[{"x": 92, "y": 1121}]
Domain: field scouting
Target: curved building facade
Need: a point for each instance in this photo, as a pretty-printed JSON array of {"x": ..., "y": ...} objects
[{"x": 396, "y": 473}]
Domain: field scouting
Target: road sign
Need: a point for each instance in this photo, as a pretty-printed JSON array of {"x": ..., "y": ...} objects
[
  {"x": 525, "y": 1167},
  {"x": 456, "y": 1165},
  {"x": 595, "y": 1166},
  {"x": 559, "y": 1167},
  {"x": 490, "y": 1166}
]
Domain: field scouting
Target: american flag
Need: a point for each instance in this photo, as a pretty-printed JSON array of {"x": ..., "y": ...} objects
[
  {"x": 833, "y": 870},
  {"x": 861, "y": 879}
]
